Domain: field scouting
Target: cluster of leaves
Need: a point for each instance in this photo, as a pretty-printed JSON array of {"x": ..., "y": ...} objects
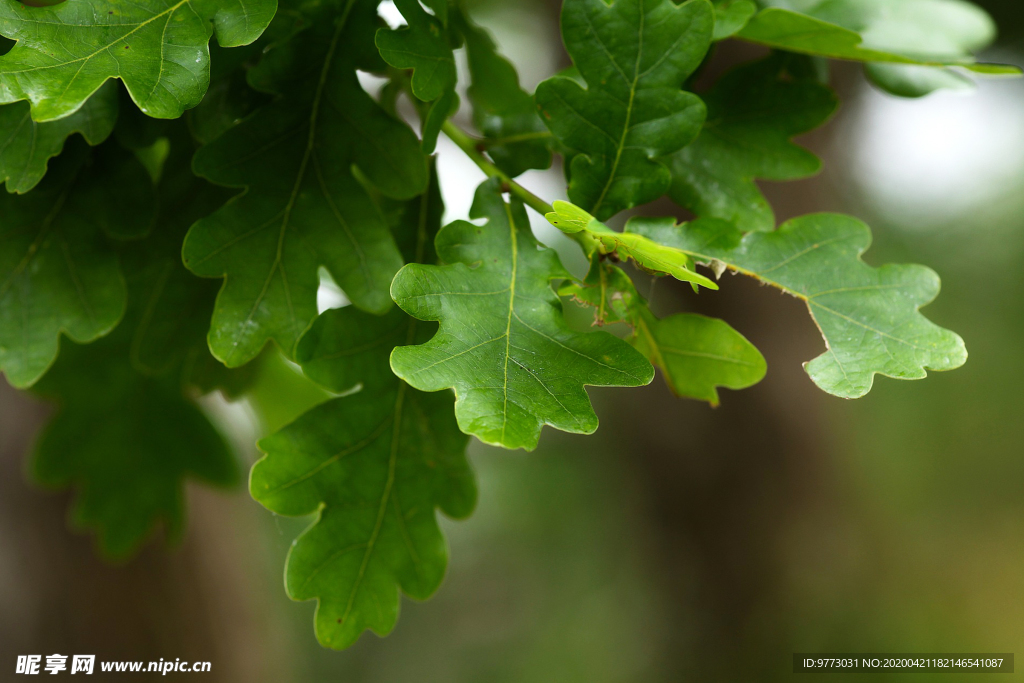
[{"x": 184, "y": 221}]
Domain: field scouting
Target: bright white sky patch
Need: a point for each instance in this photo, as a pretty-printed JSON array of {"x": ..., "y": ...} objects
[
  {"x": 390, "y": 14},
  {"x": 928, "y": 160}
]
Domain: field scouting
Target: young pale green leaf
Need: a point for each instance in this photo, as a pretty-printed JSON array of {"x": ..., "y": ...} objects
[
  {"x": 753, "y": 112},
  {"x": 648, "y": 255},
  {"x": 26, "y": 146},
  {"x": 868, "y": 316},
  {"x": 58, "y": 272},
  {"x": 608, "y": 290},
  {"x": 303, "y": 208},
  {"x": 697, "y": 354},
  {"x": 731, "y": 16},
  {"x": 503, "y": 344},
  {"x": 374, "y": 465},
  {"x": 905, "y": 41},
  {"x": 159, "y": 48},
  {"x": 515, "y": 137},
  {"x": 634, "y": 56},
  {"x": 126, "y": 442}
]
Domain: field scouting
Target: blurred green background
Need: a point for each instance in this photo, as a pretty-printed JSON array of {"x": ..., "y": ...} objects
[{"x": 681, "y": 543}]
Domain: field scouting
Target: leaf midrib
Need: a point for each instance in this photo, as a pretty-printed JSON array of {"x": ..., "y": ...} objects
[
  {"x": 327, "y": 462},
  {"x": 511, "y": 312},
  {"x": 300, "y": 176},
  {"x": 10, "y": 141},
  {"x": 169, "y": 10},
  {"x": 808, "y": 299},
  {"x": 627, "y": 125},
  {"x": 33, "y": 248},
  {"x": 386, "y": 496}
]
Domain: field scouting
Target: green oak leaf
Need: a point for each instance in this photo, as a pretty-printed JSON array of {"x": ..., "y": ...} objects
[
  {"x": 697, "y": 354},
  {"x": 911, "y": 80},
  {"x": 868, "y": 316},
  {"x": 950, "y": 28},
  {"x": 173, "y": 305},
  {"x": 903, "y": 42},
  {"x": 515, "y": 137},
  {"x": 373, "y": 465},
  {"x": 731, "y": 16},
  {"x": 229, "y": 98},
  {"x": 439, "y": 8},
  {"x": 120, "y": 200},
  {"x": 648, "y": 255},
  {"x": 26, "y": 146},
  {"x": 240, "y": 22},
  {"x": 58, "y": 272},
  {"x": 503, "y": 344},
  {"x": 753, "y": 113},
  {"x": 303, "y": 208},
  {"x": 422, "y": 46},
  {"x": 126, "y": 442},
  {"x": 159, "y": 48},
  {"x": 634, "y": 56},
  {"x": 126, "y": 436}
]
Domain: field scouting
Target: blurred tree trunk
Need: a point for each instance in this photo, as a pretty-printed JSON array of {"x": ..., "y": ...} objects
[{"x": 195, "y": 602}]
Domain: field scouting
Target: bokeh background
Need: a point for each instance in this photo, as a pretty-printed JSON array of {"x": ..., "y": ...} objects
[{"x": 682, "y": 543}]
